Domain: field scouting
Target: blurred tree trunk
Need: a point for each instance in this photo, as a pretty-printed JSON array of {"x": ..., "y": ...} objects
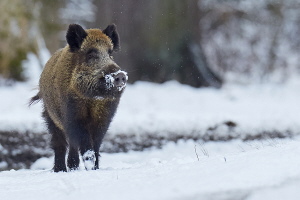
[
  {"x": 51, "y": 24},
  {"x": 276, "y": 10}
]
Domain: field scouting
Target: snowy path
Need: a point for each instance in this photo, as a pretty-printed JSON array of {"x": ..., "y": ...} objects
[{"x": 253, "y": 170}]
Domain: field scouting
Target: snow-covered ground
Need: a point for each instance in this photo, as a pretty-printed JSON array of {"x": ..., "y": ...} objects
[{"x": 232, "y": 170}]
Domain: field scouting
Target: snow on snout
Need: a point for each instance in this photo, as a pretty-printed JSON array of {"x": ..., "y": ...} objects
[{"x": 109, "y": 78}]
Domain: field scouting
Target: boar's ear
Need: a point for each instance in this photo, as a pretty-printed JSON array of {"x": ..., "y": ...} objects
[
  {"x": 75, "y": 36},
  {"x": 111, "y": 31}
]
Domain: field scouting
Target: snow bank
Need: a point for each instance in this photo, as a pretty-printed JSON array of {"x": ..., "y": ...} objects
[{"x": 171, "y": 108}]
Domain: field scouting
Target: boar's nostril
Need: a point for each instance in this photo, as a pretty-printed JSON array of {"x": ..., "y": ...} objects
[{"x": 120, "y": 79}]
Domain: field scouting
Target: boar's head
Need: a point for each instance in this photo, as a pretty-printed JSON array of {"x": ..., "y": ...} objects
[{"x": 94, "y": 72}]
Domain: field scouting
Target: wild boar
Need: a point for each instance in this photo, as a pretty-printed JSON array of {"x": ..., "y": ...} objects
[{"x": 80, "y": 87}]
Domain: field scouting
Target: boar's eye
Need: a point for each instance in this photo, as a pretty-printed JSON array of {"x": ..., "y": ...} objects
[
  {"x": 110, "y": 51},
  {"x": 93, "y": 53}
]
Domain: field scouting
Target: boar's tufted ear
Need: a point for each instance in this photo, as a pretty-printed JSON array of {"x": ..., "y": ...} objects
[
  {"x": 75, "y": 36},
  {"x": 111, "y": 31}
]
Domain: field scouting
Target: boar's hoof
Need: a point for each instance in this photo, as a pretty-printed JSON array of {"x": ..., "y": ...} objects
[
  {"x": 89, "y": 159},
  {"x": 59, "y": 169}
]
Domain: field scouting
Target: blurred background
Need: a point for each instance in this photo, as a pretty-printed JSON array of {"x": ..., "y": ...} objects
[
  {"x": 196, "y": 42},
  {"x": 245, "y": 53}
]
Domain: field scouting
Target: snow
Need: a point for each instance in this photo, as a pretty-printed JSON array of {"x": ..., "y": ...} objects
[
  {"x": 109, "y": 79},
  {"x": 253, "y": 170},
  {"x": 89, "y": 159},
  {"x": 172, "y": 108}
]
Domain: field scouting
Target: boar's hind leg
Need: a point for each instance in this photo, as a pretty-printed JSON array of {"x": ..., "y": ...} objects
[
  {"x": 96, "y": 149},
  {"x": 77, "y": 134},
  {"x": 58, "y": 144},
  {"x": 97, "y": 144},
  {"x": 73, "y": 158}
]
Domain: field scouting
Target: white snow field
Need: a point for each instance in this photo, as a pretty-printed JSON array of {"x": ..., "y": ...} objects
[{"x": 234, "y": 170}]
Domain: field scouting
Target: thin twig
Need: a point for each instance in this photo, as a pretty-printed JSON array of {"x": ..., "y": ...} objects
[
  {"x": 196, "y": 153},
  {"x": 204, "y": 151}
]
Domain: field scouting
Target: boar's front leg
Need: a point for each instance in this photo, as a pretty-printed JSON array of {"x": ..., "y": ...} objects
[
  {"x": 86, "y": 150},
  {"x": 79, "y": 139}
]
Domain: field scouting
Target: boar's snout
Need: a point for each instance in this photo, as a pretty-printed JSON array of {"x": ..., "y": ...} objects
[
  {"x": 120, "y": 79},
  {"x": 116, "y": 80}
]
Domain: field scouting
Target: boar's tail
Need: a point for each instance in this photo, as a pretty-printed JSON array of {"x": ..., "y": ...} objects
[{"x": 35, "y": 99}]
